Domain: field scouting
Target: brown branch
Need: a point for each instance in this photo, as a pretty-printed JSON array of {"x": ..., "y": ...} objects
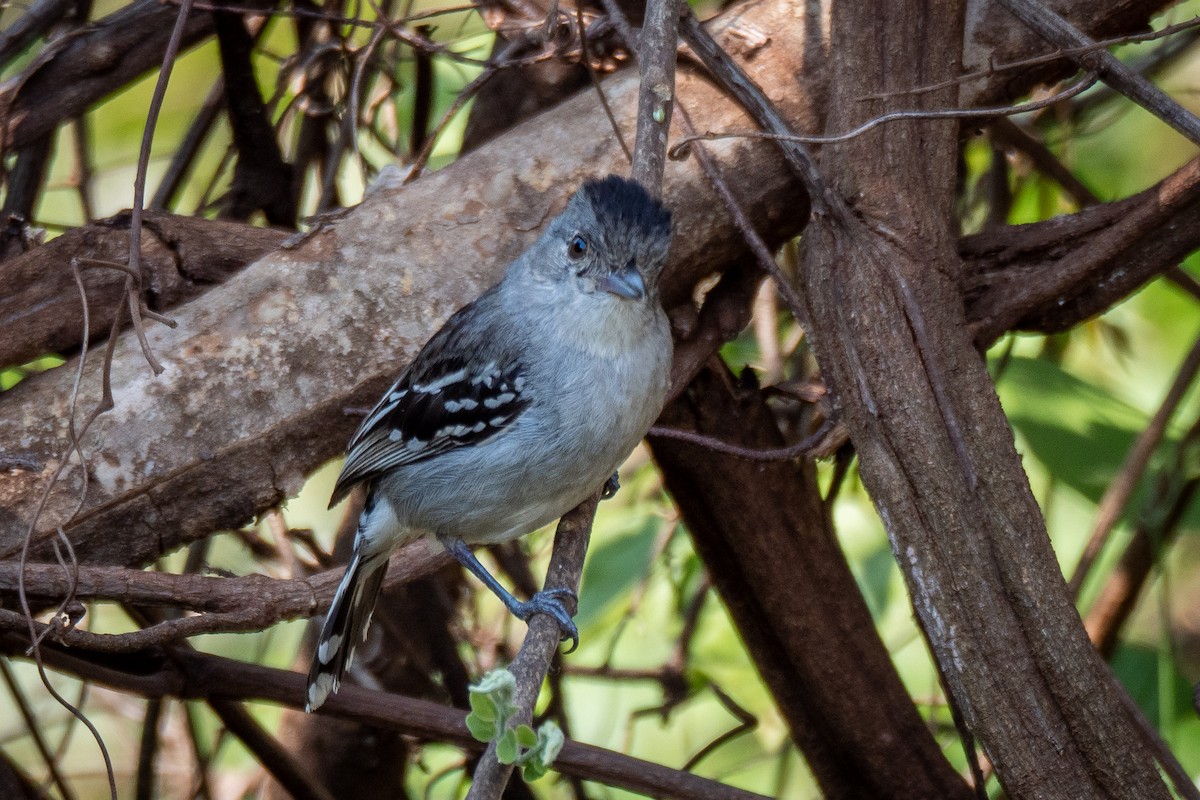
[
  {"x": 292, "y": 775},
  {"x": 34, "y": 727},
  {"x": 1120, "y": 491},
  {"x": 888, "y": 330},
  {"x": 656, "y": 99},
  {"x": 1157, "y": 527},
  {"x": 262, "y": 180},
  {"x": 192, "y": 676},
  {"x": 1049, "y": 276},
  {"x": 247, "y": 603},
  {"x": 730, "y": 75},
  {"x": 181, "y": 258},
  {"x": 541, "y": 643},
  {"x": 69, "y": 77},
  {"x": 768, "y": 544},
  {"x": 1061, "y": 33}
]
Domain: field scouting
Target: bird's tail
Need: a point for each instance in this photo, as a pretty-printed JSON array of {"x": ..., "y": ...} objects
[{"x": 345, "y": 626}]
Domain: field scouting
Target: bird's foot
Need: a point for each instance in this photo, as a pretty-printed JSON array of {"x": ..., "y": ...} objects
[
  {"x": 610, "y": 487},
  {"x": 552, "y": 602}
]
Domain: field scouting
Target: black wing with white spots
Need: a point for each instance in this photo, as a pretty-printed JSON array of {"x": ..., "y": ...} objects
[{"x": 462, "y": 388}]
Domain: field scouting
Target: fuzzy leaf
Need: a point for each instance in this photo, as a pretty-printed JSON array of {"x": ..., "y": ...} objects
[
  {"x": 506, "y": 748},
  {"x": 482, "y": 730}
]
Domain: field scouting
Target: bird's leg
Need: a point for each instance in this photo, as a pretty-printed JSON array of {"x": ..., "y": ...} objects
[
  {"x": 610, "y": 487},
  {"x": 550, "y": 601}
]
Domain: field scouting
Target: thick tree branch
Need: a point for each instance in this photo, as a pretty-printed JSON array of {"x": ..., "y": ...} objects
[
  {"x": 309, "y": 331},
  {"x": 936, "y": 452},
  {"x": 1050, "y": 276},
  {"x": 769, "y": 546},
  {"x": 182, "y": 257}
]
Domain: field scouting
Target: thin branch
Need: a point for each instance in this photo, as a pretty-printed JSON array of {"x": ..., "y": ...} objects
[
  {"x": 184, "y": 157},
  {"x": 804, "y": 447},
  {"x": 541, "y": 642},
  {"x": 762, "y": 253},
  {"x": 742, "y": 87},
  {"x": 656, "y": 97},
  {"x": 291, "y": 775},
  {"x": 31, "y": 723},
  {"x": 193, "y": 675},
  {"x": 1061, "y": 33},
  {"x": 680, "y": 148},
  {"x": 139, "y": 183},
  {"x": 746, "y": 723},
  {"x": 1009, "y": 134},
  {"x": 1119, "y": 492},
  {"x": 586, "y": 60},
  {"x": 148, "y": 750}
]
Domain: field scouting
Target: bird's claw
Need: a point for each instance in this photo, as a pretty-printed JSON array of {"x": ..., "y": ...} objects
[
  {"x": 552, "y": 602},
  {"x": 610, "y": 487}
]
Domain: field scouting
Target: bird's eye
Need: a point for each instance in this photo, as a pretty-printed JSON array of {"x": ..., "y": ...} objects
[{"x": 577, "y": 248}]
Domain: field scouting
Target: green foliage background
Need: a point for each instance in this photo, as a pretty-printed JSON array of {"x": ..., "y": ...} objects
[{"x": 1076, "y": 402}]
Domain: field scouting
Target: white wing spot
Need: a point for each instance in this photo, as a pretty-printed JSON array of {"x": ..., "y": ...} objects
[
  {"x": 441, "y": 383},
  {"x": 499, "y": 400},
  {"x": 395, "y": 434},
  {"x": 328, "y": 648},
  {"x": 487, "y": 376}
]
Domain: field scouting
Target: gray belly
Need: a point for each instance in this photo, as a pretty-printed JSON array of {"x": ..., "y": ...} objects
[{"x": 537, "y": 469}]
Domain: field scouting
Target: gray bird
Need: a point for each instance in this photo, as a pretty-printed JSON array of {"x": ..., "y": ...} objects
[{"x": 516, "y": 411}]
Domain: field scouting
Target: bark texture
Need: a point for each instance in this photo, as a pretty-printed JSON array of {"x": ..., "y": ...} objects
[
  {"x": 308, "y": 331},
  {"x": 936, "y": 452},
  {"x": 767, "y": 541}
]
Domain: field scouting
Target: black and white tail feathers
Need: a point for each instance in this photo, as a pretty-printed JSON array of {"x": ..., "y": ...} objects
[{"x": 345, "y": 626}]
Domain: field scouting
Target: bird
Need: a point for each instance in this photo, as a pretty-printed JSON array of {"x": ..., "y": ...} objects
[{"x": 520, "y": 407}]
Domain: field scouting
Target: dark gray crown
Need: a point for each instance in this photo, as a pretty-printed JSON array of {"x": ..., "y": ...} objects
[{"x": 626, "y": 201}]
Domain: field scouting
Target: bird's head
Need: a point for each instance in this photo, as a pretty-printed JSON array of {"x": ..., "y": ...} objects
[{"x": 611, "y": 240}]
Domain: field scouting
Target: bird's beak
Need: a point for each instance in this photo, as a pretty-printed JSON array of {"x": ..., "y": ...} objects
[{"x": 625, "y": 282}]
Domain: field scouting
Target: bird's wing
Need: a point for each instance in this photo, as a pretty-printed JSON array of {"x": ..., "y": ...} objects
[{"x": 465, "y": 386}]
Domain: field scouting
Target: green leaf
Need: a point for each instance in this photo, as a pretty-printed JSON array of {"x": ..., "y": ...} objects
[
  {"x": 1077, "y": 429},
  {"x": 482, "y": 730},
  {"x": 532, "y": 771},
  {"x": 550, "y": 742},
  {"x": 526, "y": 737},
  {"x": 506, "y": 748},
  {"x": 614, "y": 567},
  {"x": 482, "y": 706},
  {"x": 498, "y": 682}
]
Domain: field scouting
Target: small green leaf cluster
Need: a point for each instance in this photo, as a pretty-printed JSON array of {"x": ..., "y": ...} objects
[{"x": 491, "y": 709}]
